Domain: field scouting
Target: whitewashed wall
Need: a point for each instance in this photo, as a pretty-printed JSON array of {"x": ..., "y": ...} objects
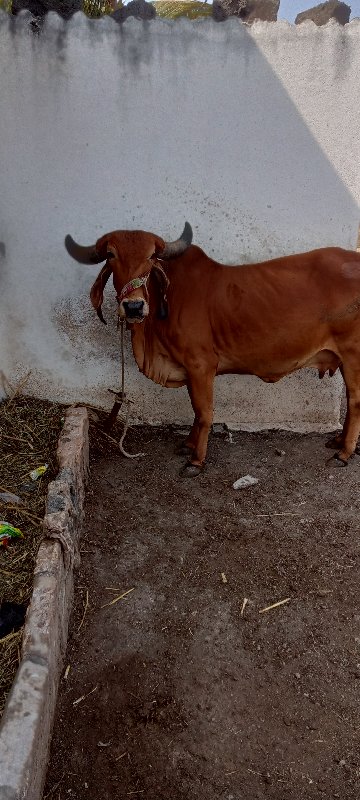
[{"x": 250, "y": 133}]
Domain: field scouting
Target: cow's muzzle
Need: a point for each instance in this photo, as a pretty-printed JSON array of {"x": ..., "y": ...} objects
[{"x": 134, "y": 310}]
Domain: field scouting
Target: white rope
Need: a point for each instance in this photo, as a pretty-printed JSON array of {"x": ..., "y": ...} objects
[{"x": 128, "y": 402}]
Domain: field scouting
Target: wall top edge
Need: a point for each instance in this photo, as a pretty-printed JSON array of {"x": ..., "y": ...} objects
[{"x": 79, "y": 20}]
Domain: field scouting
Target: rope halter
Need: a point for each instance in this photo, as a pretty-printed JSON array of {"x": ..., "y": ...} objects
[{"x": 135, "y": 283}]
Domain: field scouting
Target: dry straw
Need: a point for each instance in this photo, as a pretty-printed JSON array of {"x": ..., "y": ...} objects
[{"x": 29, "y": 431}]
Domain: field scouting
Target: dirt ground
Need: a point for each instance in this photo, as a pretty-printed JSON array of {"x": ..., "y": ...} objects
[{"x": 176, "y": 690}]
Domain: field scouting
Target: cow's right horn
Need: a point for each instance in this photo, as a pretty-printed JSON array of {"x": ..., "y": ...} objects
[
  {"x": 173, "y": 249},
  {"x": 84, "y": 255}
]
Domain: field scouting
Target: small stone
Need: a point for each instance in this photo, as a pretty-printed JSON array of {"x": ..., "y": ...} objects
[
  {"x": 218, "y": 429},
  {"x": 323, "y": 12},
  {"x": 297, "y": 675},
  {"x": 38, "y": 8},
  {"x": 139, "y": 9},
  {"x": 27, "y": 488},
  {"x": 279, "y": 452},
  {"x": 247, "y": 10},
  {"x": 246, "y": 480}
]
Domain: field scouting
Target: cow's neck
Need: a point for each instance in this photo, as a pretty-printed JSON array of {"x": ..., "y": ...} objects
[
  {"x": 152, "y": 358},
  {"x": 143, "y": 336},
  {"x": 138, "y": 343}
]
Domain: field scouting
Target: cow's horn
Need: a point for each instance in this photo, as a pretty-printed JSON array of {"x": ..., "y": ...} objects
[
  {"x": 173, "y": 249},
  {"x": 84, "y": 255}
]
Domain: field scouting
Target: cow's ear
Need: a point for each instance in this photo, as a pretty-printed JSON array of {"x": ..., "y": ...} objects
[
  {"x": 162, "y": 282},
  {"x": 97, "y": 290},
  {"x": 159, "y": 246},
  {"x": 104, "y": 246}
]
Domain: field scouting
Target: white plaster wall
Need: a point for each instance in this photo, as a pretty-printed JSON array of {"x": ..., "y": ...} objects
[{"x": 250, "y": 133}]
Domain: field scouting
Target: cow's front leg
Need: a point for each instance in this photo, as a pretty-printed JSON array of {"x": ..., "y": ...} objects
[
  {"x": 187, "y": 448},
  {"x": 201, "y": 391}
]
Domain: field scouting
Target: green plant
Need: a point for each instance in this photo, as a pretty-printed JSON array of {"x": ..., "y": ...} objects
[
  {"x": 5, "y": 5},
  {"x": 172, "y": 10},
  {"x": 96, "y": 8}
]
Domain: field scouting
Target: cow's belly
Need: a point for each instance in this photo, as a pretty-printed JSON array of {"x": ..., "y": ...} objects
[{"x": 272, "y": 371}]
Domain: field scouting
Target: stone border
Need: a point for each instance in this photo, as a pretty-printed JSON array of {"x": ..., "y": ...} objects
[{"x": 26, "y": 726}]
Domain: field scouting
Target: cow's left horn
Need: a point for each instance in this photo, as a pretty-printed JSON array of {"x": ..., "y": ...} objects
[
  {"x": 84, "y": 255},
  {"x": 173, "y": 249}
]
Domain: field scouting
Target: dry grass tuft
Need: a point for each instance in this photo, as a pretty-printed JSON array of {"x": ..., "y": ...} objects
[{"x": 29, "y": 432}]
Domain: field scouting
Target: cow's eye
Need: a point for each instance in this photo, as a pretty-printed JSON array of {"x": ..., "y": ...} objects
[{"x": 109, "y": 255}]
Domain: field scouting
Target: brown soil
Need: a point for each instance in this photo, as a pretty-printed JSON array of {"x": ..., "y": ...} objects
[{"x": 185, "y": 696}]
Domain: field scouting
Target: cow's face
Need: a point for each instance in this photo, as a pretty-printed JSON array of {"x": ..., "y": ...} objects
[{"x": 131, "y": 257}]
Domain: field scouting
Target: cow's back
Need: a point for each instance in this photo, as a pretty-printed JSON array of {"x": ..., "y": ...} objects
[{"x": 267, "y": 318}]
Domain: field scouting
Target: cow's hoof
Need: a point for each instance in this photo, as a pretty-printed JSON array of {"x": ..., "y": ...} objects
[
  {"x": 191, "y": 470},
  {"x": 183, "y": 450},
  {"x": 334, "y": 443},
  {"x": 340, "y": 462}
]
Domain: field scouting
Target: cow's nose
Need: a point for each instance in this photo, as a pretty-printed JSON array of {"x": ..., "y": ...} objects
[{"x": 133, "y": 308}]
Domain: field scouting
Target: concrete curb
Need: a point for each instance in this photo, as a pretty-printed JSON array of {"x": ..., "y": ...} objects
[{"x": 26, "y": 726}]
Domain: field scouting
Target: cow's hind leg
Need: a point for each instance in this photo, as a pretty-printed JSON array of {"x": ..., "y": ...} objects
[
  {"x": 336, "y": 441},
  {"x": 201, "y": 393},
  {"x": 350, "y": 434}
]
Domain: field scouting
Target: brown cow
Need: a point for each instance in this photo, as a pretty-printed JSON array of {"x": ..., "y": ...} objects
[{"x": 266, "y": 319}]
